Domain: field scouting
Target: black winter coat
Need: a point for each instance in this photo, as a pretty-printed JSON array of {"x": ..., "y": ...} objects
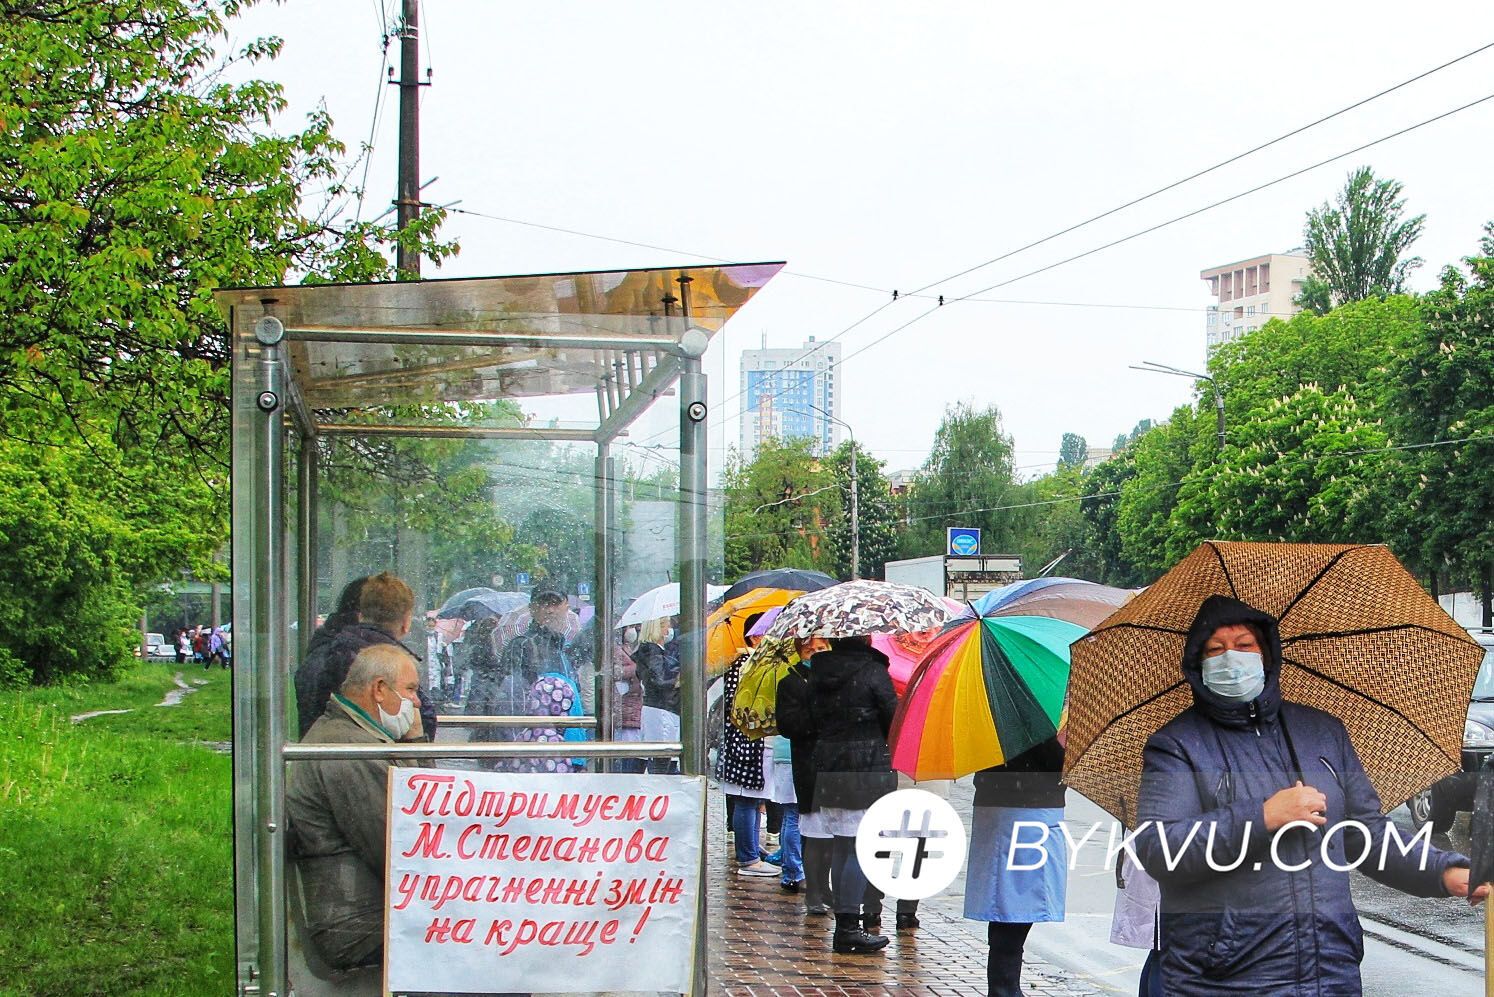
[
  {"x": 329, "y": 655},
  {"x": 853, "y": 702},
  {"x": 1261, "y": 929},
  {"x": 795, "y": 719},
  {"x": 660, "y": 674},
  {"x": 1032, "y": 779}
]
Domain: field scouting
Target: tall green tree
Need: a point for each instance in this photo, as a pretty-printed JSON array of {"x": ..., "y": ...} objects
[
  {"x": 967, "y": 480},
  {"x": 1442, "y": 405},
  {"x": 879, "y": 522},
  {"x": 1304, "y": 468},
  {"x": 1358, "y": 244},
  {"x": 1057, "y": 526},
  {"x": 781, "y": 508},
  {"x": 134, "y": 180},
  {"x": 1072, "y": 452},
  {"x": 1100, "y": 509},
  {"x": 1125, "y": 439}
]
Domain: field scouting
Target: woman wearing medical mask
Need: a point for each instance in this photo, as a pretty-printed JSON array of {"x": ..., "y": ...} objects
[{"x": 1253, "y": 810}]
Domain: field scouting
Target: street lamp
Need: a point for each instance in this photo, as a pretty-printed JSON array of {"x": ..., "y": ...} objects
[
  {"x": 1162, "y": 368},
  {"x": 855, "y": 502}
]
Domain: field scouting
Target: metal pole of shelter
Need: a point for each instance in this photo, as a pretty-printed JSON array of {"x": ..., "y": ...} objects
[
  {"x": 604, "y": 525},
  {"x": 265, "y": 669},
  {"x": 690, "y": 541},
  {"x": 306, "y": 553}
]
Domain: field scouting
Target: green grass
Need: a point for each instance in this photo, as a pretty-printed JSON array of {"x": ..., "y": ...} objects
[{"x": 115, "y": 839}]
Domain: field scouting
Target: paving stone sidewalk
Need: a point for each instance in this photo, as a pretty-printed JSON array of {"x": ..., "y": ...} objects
[{"x": 762, "y": 943}]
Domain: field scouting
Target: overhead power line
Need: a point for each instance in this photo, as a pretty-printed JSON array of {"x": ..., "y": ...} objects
[
  {"x": 1160, "y": 225},
  {"x": 1210, "y": 169}
]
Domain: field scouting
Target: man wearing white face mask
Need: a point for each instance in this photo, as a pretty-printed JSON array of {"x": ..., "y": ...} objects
[{"x": 337, "y": 807}]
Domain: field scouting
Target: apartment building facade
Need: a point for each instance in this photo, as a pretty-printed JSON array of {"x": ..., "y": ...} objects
[
  {"x": 1250, "y": 293},
  {"x": 788, "y": 393}
]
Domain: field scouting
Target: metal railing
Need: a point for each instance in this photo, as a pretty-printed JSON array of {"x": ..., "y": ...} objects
[{"x": 504, "y": 749}]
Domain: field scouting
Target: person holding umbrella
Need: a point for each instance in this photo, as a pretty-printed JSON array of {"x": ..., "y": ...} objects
[
  {"x": 1256, "y": 807},
  {"x": 795, "y": 716},
  {"x": 853, "y": 703}
]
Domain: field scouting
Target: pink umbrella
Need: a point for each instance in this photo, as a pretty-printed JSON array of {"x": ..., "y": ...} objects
[{"x": 904, "y": 652}]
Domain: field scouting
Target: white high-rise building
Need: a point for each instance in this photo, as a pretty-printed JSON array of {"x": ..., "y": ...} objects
[
  {"x": 787, "y": 393},
  {"x": 1252, "y": 292}
]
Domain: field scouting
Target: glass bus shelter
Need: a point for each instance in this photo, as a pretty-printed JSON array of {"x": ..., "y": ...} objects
[{"x": 508, "y": 433}]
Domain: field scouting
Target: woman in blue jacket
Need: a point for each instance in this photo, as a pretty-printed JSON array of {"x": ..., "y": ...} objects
[{"x": 1246, "y": 809}]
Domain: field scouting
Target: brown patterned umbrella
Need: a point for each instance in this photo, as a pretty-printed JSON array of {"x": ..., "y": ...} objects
[{"x": 1360, "y": 640}]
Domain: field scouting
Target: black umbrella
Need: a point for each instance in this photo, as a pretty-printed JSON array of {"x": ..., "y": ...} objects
[{"x": 793, "y": 579}]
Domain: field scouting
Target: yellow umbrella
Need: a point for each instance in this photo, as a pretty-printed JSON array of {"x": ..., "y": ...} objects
[
  {"x": 753, "y": 711},
  {"x": 726, "y": 628}
]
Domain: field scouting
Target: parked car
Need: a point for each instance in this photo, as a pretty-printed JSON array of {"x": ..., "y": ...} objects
[
  {"x": 1440, "y": 804},
  {"x": 156, "y": 648}
]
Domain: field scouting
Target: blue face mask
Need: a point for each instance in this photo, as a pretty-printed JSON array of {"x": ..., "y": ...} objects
[{"x": 1238, "y": 676}]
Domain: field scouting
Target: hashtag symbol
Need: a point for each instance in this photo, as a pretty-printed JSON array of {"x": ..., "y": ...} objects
[{"x": 921, "y": 850}]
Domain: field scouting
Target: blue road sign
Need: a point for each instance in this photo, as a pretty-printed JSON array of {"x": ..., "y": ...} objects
[
  {"x": 521, "y": 578},
  {"x": 964, "y": 541}
]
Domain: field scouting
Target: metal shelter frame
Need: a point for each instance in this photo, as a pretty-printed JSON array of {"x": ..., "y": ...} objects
[{"x": 629, "y": 337}]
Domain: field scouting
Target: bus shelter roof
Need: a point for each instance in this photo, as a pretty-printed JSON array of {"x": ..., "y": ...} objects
[{"x": 399, "y": 343}]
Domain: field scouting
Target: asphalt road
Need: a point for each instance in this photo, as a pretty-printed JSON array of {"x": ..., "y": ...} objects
[{"x": 1412, "y": 944}]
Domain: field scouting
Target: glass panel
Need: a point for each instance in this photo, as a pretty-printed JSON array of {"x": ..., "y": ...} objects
[{"x": 489, "y": 480}]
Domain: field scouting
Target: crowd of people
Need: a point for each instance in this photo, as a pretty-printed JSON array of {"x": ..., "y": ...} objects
[
  {"x": 205, "y": 646},
  {"x": 1229, "y": 766}
]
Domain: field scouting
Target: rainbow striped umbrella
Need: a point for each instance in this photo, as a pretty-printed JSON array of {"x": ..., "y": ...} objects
[{"x": 987, "y": 690}]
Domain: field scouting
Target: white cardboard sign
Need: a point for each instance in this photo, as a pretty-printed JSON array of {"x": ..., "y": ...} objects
[{"x": 565, "y": 883}]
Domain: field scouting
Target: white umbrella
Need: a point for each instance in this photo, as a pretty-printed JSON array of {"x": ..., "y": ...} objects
[{"x": 661, "y": 602}]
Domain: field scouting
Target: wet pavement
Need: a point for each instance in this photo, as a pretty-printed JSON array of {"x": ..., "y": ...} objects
[{"x": 761, "y": 942}]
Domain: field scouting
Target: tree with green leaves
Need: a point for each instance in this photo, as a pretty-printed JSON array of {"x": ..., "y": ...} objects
[
  {"x": 135, "y": 179},
  {"x": 1358, "y": 244},
  {"x": 1072, "y": 452},
  {"x": 1099, "y": 509},
  {"x": 1442, "y": 405},
  {"x": 781, "y": 509},
  {"x": 1303, "y": 468},
  {"x": 1057, "y": 526},
  {"x": 1144, "y": 513},
  {"x": 1125, "y": 439},
  {"x": 966, "y": 480},
  {"x": 880, "y": 523}
]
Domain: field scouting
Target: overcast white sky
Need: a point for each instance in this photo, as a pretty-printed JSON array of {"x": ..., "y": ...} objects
[{"x": 892, "y": 144}]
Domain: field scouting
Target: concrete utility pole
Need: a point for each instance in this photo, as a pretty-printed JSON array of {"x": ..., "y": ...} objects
[
  {"x": 407, "y": 199},
  {"x": 855, "y": 495}
]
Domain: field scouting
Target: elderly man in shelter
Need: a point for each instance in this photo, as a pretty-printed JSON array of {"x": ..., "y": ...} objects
[{"x": 338, "y": 808}]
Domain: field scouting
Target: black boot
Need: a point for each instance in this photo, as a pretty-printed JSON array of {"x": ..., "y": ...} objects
[
  {"x": 850, "y": 939},
  {"x": 1004, "y": 958}
]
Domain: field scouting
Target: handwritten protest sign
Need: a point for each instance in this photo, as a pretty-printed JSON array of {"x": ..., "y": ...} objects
[{"x": 566, "y": 883}]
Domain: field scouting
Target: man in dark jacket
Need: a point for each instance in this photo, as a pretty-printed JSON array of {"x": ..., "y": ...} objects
[
  {"x": 385, "y": 608},
  {"x": 1224, "y": 783}
]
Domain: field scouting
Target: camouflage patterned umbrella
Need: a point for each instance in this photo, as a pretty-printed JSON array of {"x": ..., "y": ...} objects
[{"x": 851, "y": 609}]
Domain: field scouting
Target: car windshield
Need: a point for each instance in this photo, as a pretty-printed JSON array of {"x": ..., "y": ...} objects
[{"x": 1483, "y": 686}]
